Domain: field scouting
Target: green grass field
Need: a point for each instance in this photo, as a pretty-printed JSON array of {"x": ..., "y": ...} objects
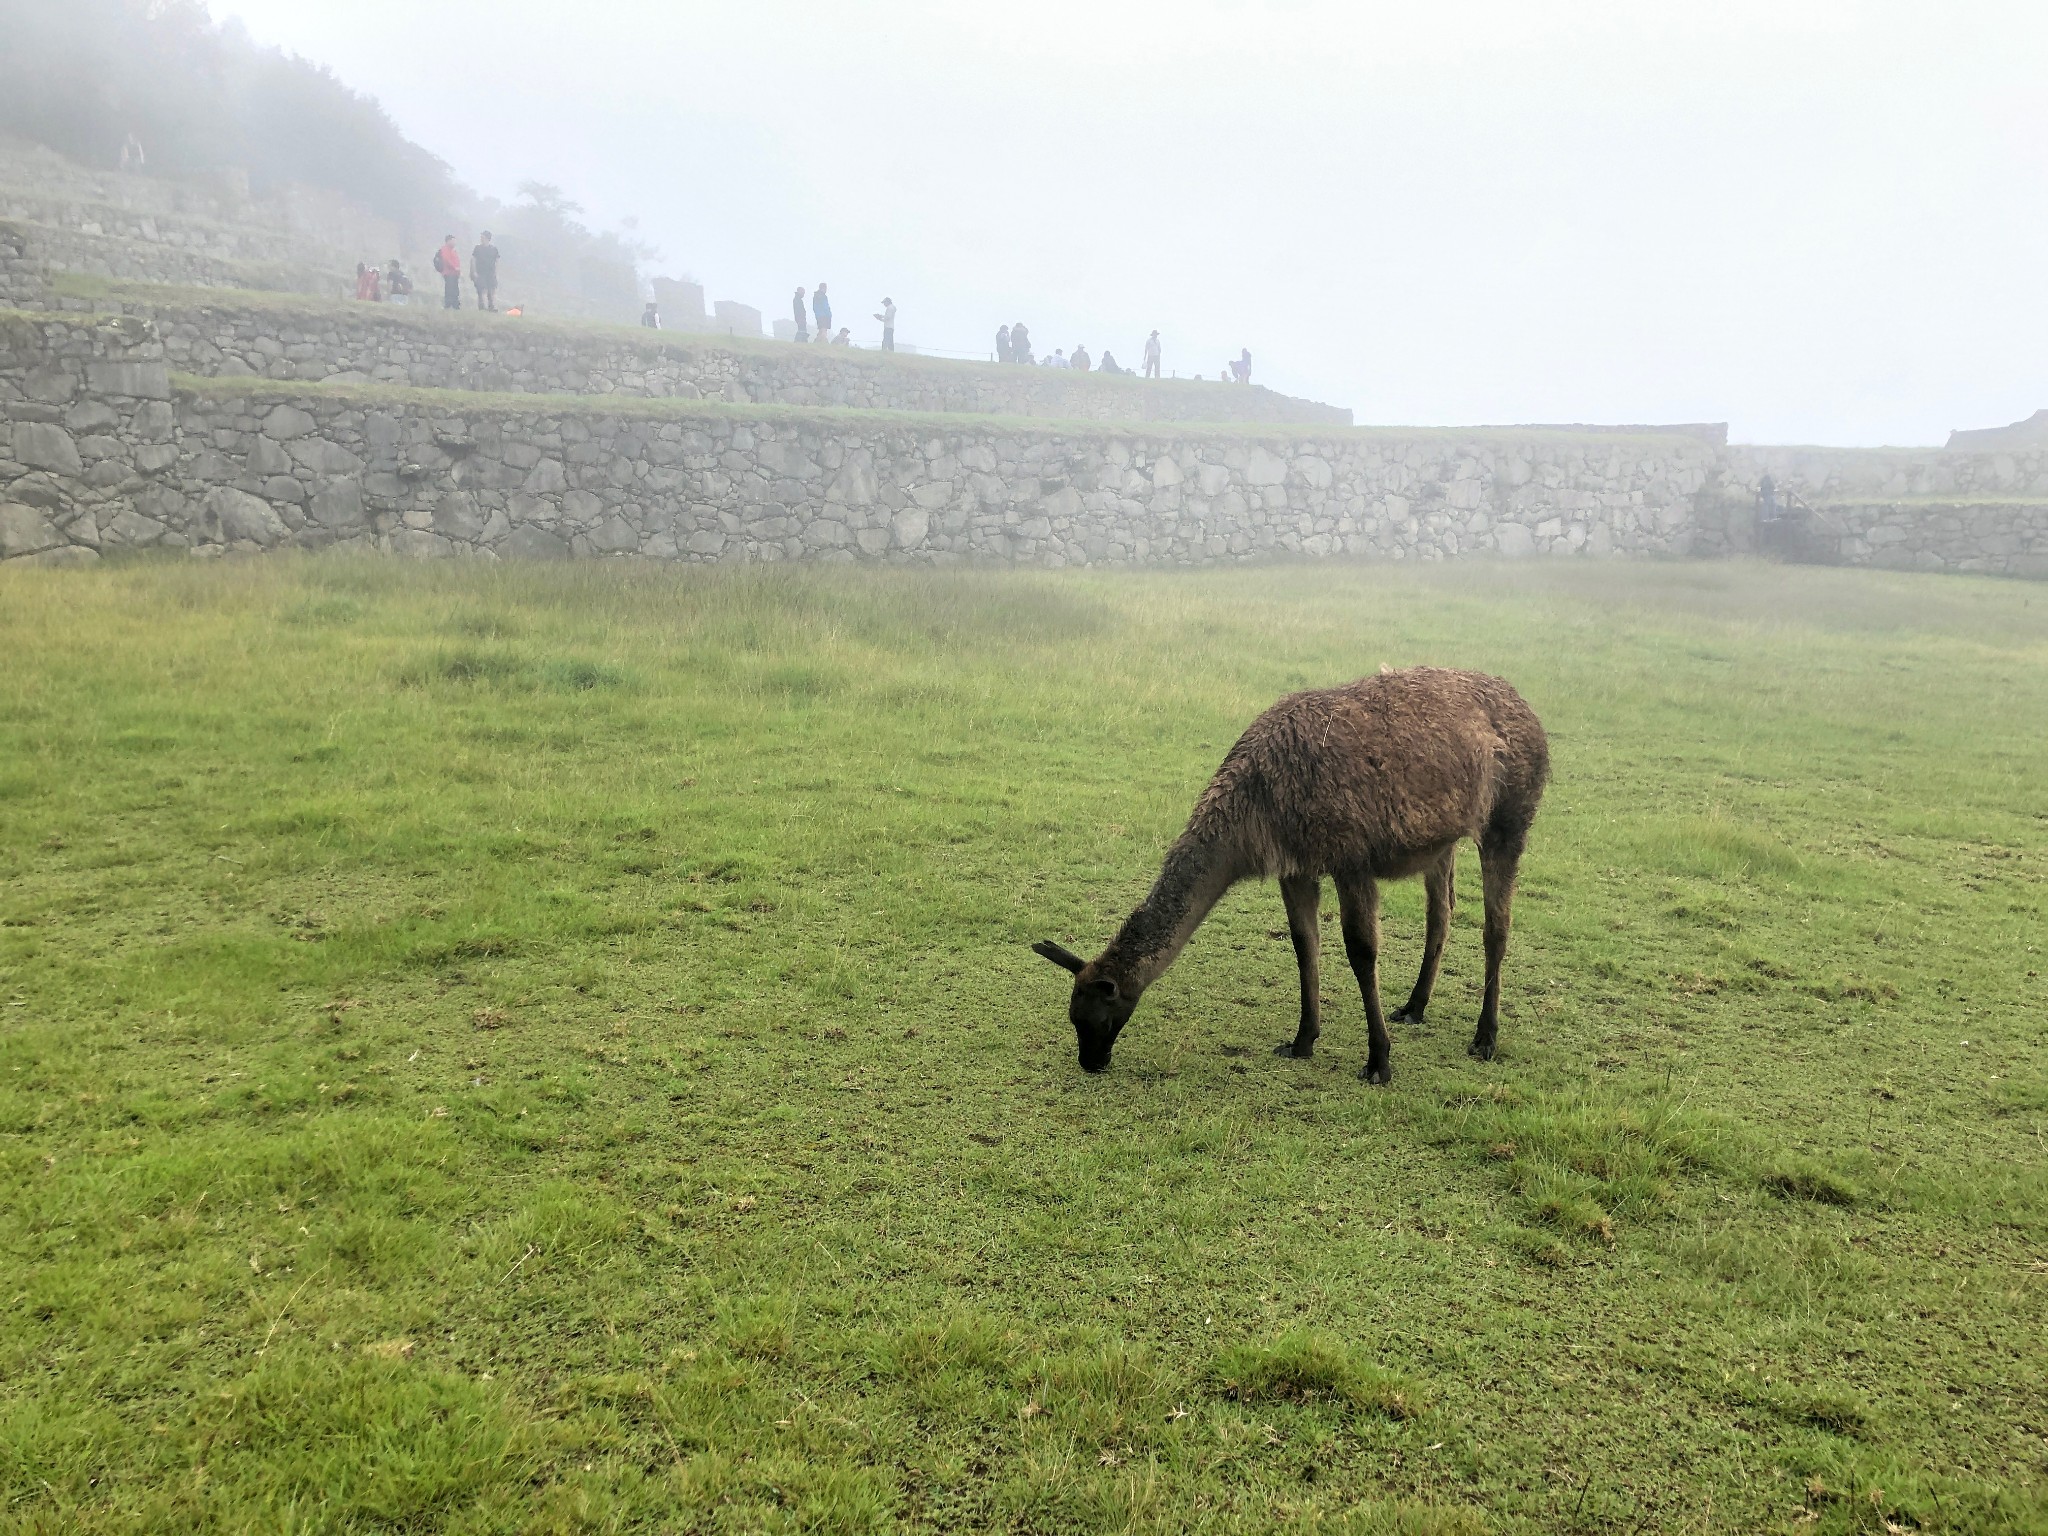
[{"x": 492, "y": 1049}]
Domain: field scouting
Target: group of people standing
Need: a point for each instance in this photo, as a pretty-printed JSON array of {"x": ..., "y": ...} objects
[
  {"x": 820, "y": 311},
  {"x": 1013, "y": 345},
  {"x": 483, "y": 273},
  {"x": 391, "y": 285}
]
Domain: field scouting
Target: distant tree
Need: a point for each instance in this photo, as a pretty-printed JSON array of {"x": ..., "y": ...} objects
[{"x": 80, "y": 75}]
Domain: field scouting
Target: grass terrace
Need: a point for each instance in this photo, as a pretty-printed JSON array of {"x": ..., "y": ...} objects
[{"x": 555, "y": 1049}]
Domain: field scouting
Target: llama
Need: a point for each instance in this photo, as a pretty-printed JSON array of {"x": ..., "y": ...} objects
[{"x": 1376, "y": 780}]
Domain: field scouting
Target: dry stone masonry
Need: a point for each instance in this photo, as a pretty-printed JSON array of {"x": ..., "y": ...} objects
[
  {"x": 106, "y": 450},
  {"x": 427, "y": 349},
  {"x": 105, "y": 455}
]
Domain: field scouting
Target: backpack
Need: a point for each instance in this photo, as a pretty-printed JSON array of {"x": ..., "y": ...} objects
[{"x": 439, "y": 262}]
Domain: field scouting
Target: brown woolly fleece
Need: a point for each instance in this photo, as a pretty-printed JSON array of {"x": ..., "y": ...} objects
[{"x": 1376, "y": 780}]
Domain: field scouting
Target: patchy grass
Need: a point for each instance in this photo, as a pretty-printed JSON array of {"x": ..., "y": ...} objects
[{"x": 557, "y": 1049}]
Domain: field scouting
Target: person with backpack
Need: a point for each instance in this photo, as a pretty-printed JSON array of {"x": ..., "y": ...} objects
[
  {"x": 448, "y": 262},
  {"x": 396, "y": 284},
  {"x": 483, "y": 272}
]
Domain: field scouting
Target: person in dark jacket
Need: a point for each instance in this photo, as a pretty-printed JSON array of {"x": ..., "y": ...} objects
[
  {"x": 821, "y": 311},
  {"x": 483, "y": 273},
  {"x": 1020, "y": 343},
  {"x": 1003, "y": 344},
  {"x": 650, "y": 317},
  {"x": 803, "y": 315}
]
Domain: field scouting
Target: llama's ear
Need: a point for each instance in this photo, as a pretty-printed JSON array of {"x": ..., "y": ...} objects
[
  {"x": 1065, "y": 959},
  {"x": 1104, "y": 986}
]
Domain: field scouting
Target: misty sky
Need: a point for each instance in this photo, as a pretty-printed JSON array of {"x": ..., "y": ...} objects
[{"x": 1818, "y": 220}]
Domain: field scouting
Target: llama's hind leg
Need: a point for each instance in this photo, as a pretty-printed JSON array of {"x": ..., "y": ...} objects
[
  {"x": 1304, "y": 896},
  {"x": 1439, "y": 883},
  {"x": 1499, "y": 859},
  {"x": 1359, "y": 899}
]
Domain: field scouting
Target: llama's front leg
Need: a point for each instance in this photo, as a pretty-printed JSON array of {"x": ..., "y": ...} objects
[
  {"x": 1498, "y": 862},
  {"x": 1304, "y": 895},
  {"x": 1438, "y": 882},
  {"x": 1358, "y": 899}
]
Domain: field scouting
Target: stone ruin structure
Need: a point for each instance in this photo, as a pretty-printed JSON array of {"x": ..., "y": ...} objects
[{"x": 168, "y": 383}]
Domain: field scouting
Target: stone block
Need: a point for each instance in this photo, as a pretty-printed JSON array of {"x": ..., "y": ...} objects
[
  {"x": 63, "y": 554},
  {"x": 129, "y": 379},
  {"x": 237, "y": 516},
  {"x": 45, "y": 445},
  {"x": 547, "y": 478},
  {"x": 909, "y": 528},
  {"x": 533, "y": 544},
  {"x": 25, "y": 530},
  {"x": 1263, "y": 468},
  {"x": 285, "y": 422},
  {"x": 338, "y": 506}
]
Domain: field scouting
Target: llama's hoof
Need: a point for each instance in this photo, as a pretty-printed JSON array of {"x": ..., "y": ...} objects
[
  {"x": 1405, "y": 1015},
  {"x": 1483, "y": 1049},
  {"x": 1296, "y": 1049},
  {"x": 1379, "y": 1076}
]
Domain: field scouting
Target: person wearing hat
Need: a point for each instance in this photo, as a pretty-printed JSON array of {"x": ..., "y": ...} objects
[
  {"x": 888, "y": 319},
  {"x": 1152, "y": 356}
]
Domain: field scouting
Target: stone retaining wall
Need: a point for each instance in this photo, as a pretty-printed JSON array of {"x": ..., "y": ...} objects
[
  {"x": 1894, "y": 474},
  {"x": 21, "y": 275},
  {"x": 149, "y": 261},
  {"x": 105, "y": 455},
  {"x": 102, "y": 453},
  {"x": 176, "y": 232},
  {"x": 2005, "y": 538},
  {"x": 422, "y": 347}
]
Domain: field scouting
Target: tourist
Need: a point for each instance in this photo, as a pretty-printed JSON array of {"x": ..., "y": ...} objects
[
  {"x": 1152, "y": 356},
  {"x": 448, "y": 262},
  {"x": 363, "y": 281},
  {"x": 1058, "y": 359},
  {"x": 1020, "y": 344},
  {"x": 131, "y": 154},
  {"x": 803, "y": 315},
  {"x": 483, "y": 272},
  {"x": 1002, "y": 344},
  {"x": 888, "y": 319},
  {"x": 1108, "y": 364},
  {"x": 650, "y": 317},
  {"x": 843, "y": 339},
  {"x": 397, "y": 286},
  {"x": 1767, "y": 499},
  {"x": 821, "y": 311},
  {"x": 1080, "y": 361},
  {"x": 1243, "y": 366}
]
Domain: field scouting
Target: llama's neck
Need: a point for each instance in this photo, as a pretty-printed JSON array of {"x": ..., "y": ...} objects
[{"x": 1197, "y": 872}]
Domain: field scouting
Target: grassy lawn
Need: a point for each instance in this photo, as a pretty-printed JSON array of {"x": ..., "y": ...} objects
[{"x": 556, "y": 1049}]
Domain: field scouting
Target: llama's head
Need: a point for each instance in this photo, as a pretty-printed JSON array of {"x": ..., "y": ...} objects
[{"x": 1099, "y": 1008}]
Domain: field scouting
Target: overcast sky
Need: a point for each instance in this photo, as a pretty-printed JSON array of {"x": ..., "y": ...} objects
[{"x": 1818, "y": 220}]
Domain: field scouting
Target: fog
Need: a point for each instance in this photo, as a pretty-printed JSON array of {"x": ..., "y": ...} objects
[{"x": 1818, "y": 220}]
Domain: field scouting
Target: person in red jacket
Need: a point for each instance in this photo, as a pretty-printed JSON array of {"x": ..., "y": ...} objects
[{"x": 448, "y": 262}]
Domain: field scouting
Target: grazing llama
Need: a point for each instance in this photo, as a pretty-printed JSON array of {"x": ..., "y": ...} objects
[{"x": 1376, "y": 780}]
